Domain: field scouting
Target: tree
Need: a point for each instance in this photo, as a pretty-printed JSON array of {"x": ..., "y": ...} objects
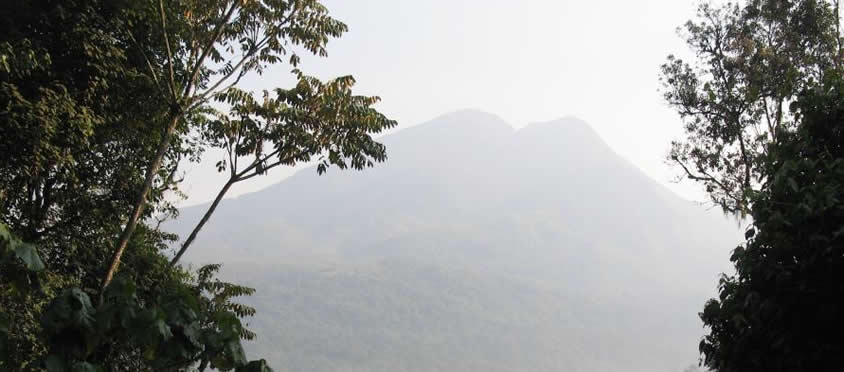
[
  {"x": 285, "y": 130},
  {"x": 76, "y": 122},
  {"x": 782, "y": 309},
  {"x": 763, "y": 111},
  {"x": 751, "y": 62},
  {"x": 100, "y": 101},
  {"x": 178, "y": 323},
  {"x": 211, "y": 45}
]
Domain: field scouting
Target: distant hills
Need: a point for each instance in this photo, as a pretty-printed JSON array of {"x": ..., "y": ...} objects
[{"x": 476, "y": 247}]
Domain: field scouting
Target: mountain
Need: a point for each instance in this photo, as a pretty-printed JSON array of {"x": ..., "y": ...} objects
[{"x": 474, "y": 247}]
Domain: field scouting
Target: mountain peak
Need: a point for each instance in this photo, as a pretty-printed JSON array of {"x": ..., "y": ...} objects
[
  {"x": 521, "y": 233},
  {"x": 471, "y": 115},
  {"x": 458, "y": 124},
  {"x": 569, "y": 130},
  {"x": 568, "y": 123}
]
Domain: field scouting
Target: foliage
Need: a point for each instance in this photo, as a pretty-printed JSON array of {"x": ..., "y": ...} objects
[
  {"x": 24, "y": 290},
  {"x": 20, "y": 263},
  {"x": 186, "y": 324},
  {"x": 210, "y": 46},
  {"x": 751, "y": 61},
  {"x": 215, "y": 297},
  {"x": 313, "y": 119},
  {"x": 11, "y": 247},
  {"x": 170, "y": 333},
  {"x": 100, "y": 102},
  {"x": 782, "y": 310},
  {"x": 763, "y": 116},
  {"x": 79, "y": 120}
]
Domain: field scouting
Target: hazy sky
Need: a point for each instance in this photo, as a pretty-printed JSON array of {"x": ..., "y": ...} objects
[{"x": 523, "y": 60}]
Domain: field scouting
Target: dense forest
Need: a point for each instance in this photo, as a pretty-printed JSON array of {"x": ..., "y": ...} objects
[{"x": 103, "y": 104}]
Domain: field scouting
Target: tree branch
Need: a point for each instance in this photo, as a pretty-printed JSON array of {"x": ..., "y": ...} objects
[
  {"x": 203, "y": 220},
  {"x": 251, "y": 53},
  {"x": 705, "y": 178},
  {"x": 140, "y": 202},
  {"x": 146, "y": 58},
  {"x": 245, "y": 177},
  {"x": 172, "y": 81},
  {"x": 198, "y": 65},
  {"x": 838, "y": 35},
  {"x": 241, "y": 176}
]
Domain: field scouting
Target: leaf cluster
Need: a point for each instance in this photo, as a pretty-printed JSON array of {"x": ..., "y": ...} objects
[
  {"x": 188, "y": 323},
  {"x": 751, "y": 62},
  {"x": 100, "y": 103},
  {"x": 782, "y": 309}
]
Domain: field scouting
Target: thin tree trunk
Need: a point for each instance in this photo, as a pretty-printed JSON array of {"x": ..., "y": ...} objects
[
  {"x": 838, "y": 55},
  {"x": 140, "y": 202},
  {"x": 202, "y": 221}
]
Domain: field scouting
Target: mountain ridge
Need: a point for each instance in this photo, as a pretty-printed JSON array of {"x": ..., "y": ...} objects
[
  {"x": 460, "y": 238},
  {"x": 495, "y": 122}
]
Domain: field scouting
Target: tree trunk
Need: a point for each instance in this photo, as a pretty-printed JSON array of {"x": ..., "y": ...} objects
[
  {"x": 202, "y": 221},
  {"x": 140, "y": 202}
]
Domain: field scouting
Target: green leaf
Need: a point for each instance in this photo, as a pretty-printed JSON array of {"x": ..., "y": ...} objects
[
  {"x": 29, "y": 255},
  {"x": 149, "y": 353},
  {"x": 5, "y": 235},
  {"x": 255, "y": 366},
  {"x": 71, "y": 309},
  {"x": 793, "y": 184},
  {"x": 54, "y": 363},
  {"x": 85, "y": 367},
  {"x": 737, "y": 253},
  {"x": 5, "y": 324},
  {"x": 749, "y": 233},
  {"x": 234, "y": 351},
  {"x": 163, "y": 330},
  {"x": 191, "y": 332}
]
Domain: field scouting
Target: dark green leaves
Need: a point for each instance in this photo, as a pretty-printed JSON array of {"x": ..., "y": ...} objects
[
  {"x": 749, "y": 233},
  {"x": 28, "y": 254},
  {"x": 314, "y": 119},
  {"x": 255, "y": 366},
  {"x": 175, "y": 330},
  {"x": 782, "y": 309},
  {"x": 25, "y": 252},
  {"x": 54, "y": 363},
  {"x": 126, "y": 104},
  {"x": 752, "y": 60}
]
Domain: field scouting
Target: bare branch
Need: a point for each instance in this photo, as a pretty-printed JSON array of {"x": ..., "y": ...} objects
[
  {"x": 257, "y": 161},
  {"x": 172, "y": 81},
  {"x": 202, "y": 97},
  {"x": 268, "y": 167},
  {"x": 201, "y": 60},
  {"x": 246, "y": 56},
  {"x": 146, "y": 58},
  {"x": 202, "y": 221},
  {"x": 705, "y": 177}
]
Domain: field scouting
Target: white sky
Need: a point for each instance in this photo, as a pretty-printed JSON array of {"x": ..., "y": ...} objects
[{"x": 523, "y": 60}]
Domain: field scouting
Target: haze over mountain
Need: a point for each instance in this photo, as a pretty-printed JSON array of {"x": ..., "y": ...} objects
[{"x": 474, "y": 247}]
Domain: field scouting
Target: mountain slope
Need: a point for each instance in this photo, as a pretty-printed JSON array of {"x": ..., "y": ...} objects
[{"x": 476, "y": 246}]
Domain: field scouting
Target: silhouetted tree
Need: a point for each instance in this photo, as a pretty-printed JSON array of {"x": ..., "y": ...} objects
[
  {"x": 751, "y": 61},
  {"x": 782, "y": 310}
]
